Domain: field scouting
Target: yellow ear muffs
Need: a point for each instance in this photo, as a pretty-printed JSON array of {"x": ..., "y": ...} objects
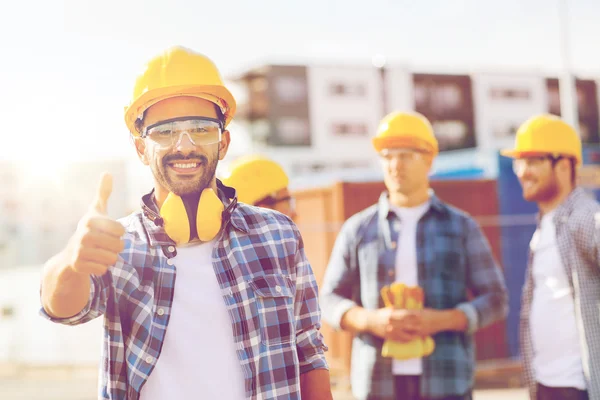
[
  {"x": 208, "y": 220},
  {"x": 175, "y": 219}
]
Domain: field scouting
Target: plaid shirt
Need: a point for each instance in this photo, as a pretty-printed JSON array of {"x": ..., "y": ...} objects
[
  {"x": 267, "y": 285},
  {"x": 577, "y": 223},
  {"x": 453, "y": 259}
]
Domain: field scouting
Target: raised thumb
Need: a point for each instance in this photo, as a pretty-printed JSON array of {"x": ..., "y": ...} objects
[{"x": 100, "y": 203}]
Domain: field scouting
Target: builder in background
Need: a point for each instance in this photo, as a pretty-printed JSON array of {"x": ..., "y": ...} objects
[
  {"x": 261, "y": 182},
  {"x": 560, "y": 320},
  {"x": 411, "y": 236}
]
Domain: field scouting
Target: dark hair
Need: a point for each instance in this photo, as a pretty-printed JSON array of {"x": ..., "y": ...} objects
[
  {"x": 572, "y": 162},
  {"x": 220, "y": 115},
  {"x": 573, "y": 171}
]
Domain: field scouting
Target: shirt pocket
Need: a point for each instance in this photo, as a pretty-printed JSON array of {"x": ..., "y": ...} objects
[
  {"x": 275, "y": 308},
  {"x": 446, "y": 278}
]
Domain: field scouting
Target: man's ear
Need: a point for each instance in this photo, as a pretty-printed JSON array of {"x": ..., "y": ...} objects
[
  {"x": 428, "y": 160},
  {"x": 224, "y": 144},
  {"x": 140, "y": 148}
]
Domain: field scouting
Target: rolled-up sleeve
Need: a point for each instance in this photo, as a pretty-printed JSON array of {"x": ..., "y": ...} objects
[
  {"x": 485, "y": 281},
  {"x": 309, "y": 339},
  {"x": 95, "y": 307},
  {"x": 341, "y": 278}
]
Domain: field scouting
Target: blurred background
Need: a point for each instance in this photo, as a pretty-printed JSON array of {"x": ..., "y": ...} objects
[{"x": 312, "y": 80}]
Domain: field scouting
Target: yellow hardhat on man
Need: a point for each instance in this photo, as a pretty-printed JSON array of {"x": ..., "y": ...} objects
[
  {"x": 405, "y": 129},
  {"x": 546, "y": 134},
  {"x": 255, "y": 177},
  {"x": 178, "y": 72}
]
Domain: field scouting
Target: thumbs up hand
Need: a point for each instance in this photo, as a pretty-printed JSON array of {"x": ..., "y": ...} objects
[{"x": 97, "y": 242}]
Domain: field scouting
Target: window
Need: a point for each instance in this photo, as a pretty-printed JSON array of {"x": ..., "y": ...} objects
[
  {"x": 318, "y": 167},
  {"x": 441, "y": 99},
  {"x": 260, "y": 129},
  {"x": 349, "y": 129},
  {"x": 290, "y": 89},
  {"x": 509, "y": 94},
  {"x": 7, "y": 311},
  {"x": 446, "y": 100},
  {"x": 258, "y": 84},
  {"x": 450, "y": 133},
  {"x": 347, "y": 89},
  {"x": 292, "y": 131}
]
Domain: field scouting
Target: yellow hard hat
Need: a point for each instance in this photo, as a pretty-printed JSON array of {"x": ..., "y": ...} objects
[
  {"x": 178, "y": 72},
  {"x": 405, "y": 129},
  {"x": 255, "y": 177},
  {"x": 546, "y": 134}
]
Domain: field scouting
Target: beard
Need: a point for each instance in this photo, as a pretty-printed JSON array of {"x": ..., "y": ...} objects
[
  {"x": 542, "y": 192},
  {"x": 184, "y": 185}
]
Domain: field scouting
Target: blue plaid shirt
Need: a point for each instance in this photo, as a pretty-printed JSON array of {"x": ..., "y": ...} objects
[
  {"x": 267, "y": 285},
  {"x": 454, "y": 260}
]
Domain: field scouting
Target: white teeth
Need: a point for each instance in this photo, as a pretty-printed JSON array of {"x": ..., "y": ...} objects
[{"x": 186, "y": 165}]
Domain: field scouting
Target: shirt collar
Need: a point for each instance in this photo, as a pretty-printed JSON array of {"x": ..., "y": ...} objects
[
  {"x": 435, "y": 204},
  {"x": 564, "y": 210}
]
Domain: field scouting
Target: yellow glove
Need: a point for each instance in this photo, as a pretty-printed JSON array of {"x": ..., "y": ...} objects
[{"x": 400, "y": 296}]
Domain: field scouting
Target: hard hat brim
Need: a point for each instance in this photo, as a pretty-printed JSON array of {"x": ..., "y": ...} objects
[
  {"x": 512, "y": 153},
  {"x": 380, "y": 143},
  {"x": 212, "y": 93}
]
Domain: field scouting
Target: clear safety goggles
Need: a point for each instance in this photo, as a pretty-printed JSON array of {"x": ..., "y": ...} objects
[
  {"x": 403, "y": 154},
  {"x": 521, "y": 164},
  {"x": 199, "y": 130}
]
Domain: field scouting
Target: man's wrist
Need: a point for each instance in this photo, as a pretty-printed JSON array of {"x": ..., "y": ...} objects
[{"x": 455, "y": 320}]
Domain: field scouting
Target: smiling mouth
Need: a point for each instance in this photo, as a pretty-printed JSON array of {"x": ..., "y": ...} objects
[{"x": 185, "y": 167}]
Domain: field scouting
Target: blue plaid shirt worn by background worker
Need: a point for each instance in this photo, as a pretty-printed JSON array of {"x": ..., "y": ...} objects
[
  {"x": 267, "y": 285},
  {"x": 453, "y": 259}
]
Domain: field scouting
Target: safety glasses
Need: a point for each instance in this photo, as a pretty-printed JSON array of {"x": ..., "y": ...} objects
[
  {"x": 404, "y": 155},
  {"x": 199, "y": 130},
  {"x": 520, "y": 164}
]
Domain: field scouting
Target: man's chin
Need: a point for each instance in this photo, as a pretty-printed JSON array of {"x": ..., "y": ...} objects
[
  {"x": 183, "y": 190},
  {"x": 532, "y": 196},
  {"x": 528, "y": 197}
]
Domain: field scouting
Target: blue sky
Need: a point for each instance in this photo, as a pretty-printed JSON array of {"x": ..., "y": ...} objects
[{"x": 67, "y": 67}]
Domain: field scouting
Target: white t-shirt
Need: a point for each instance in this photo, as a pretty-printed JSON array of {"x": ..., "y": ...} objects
[
  {"x": 557, "y": 352},
  {"x": 406, "y": 270},
  {"x": 198, "y": 358}
]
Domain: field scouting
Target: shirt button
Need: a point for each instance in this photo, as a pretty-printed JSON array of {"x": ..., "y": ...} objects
[
  {"x": 391, "y": 274},
  {"x": 393, "y": 245},
  {"x": 170, "y": 261},
  {"x": 171, "y": 249},
  {"x": 278, "y": 289},
  {"x": 149, "y": 359},
  {"x": 160, "y": 312}
]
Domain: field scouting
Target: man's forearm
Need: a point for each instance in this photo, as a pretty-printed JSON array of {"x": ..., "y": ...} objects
[
  {"x": 356, "y": 320},
  {"x": 315, "y": 385},
  {"x": 64, "y": 291},
  {"x": 453, "y": 320}
]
